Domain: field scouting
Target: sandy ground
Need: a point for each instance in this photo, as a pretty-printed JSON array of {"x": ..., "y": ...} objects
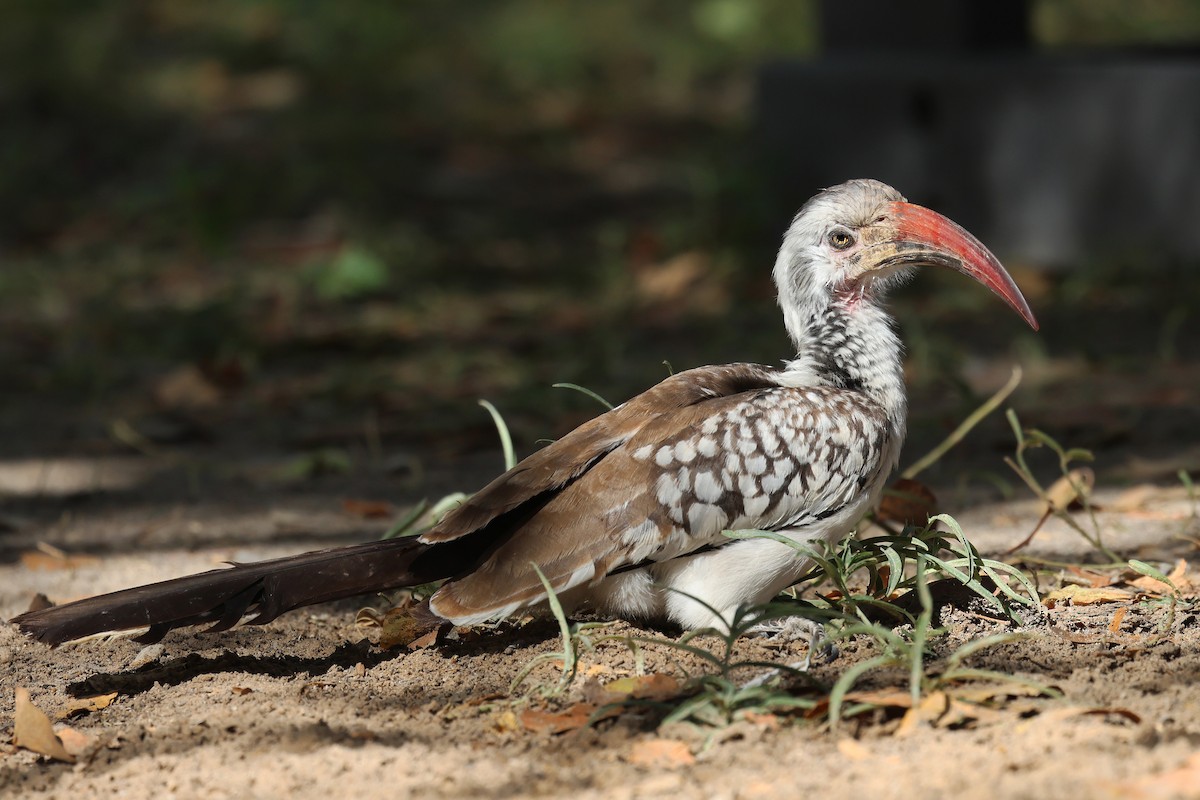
[{"x": 308, "y": 707}]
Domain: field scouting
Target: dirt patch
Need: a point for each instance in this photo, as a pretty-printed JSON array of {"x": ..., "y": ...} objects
[{"x": 308, "y": 707}]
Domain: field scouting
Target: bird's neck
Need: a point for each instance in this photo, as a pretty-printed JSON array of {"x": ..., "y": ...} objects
[{"x": 851, "y": 347}]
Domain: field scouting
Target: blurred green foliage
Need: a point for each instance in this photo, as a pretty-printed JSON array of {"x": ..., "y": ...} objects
[
  {"x": 401, "y": 205},
  {"x": 186, "y": 121}
]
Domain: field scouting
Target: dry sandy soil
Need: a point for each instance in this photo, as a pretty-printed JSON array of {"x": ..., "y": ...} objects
[{"x": 309, "y": 707}]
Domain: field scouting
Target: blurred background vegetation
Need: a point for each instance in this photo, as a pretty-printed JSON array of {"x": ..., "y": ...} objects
[{"x": 289, "y": 224}]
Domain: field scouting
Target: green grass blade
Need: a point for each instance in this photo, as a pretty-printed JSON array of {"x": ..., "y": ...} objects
[
  {"x": 402, "y": 526},
  {"x": 510, "y": 458},
  {"x": 584, "y": 390}
]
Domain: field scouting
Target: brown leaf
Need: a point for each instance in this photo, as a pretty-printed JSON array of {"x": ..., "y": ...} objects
[
  {"x": 47, "y": 561},
  {"x": 428, "y": 640},
  {"x": 1071, "y": 489},
  {"x": 661, "y": 753},
  {"x": 1087, "y": 596},
  {"x": 86, "y": 705},
  {"x": 943, "y": 710},
  {"x": 928, "y": 709},
  {"x": 1178, "y": 577},
  {"x": 888, "y": 698},
  {"x": 1117, "y": 618},
  {"x": 186, "y": 387},
  {"x": 1066, "y": 712},
  {"x": 642, "y": 687},
  {"x": 907, "y": 502},
  {"x": 989, "y": 693},
  {"x": 575, "y": 717},
  {"x": 74, "y": 742},
  {"x": 241, "y": 691},
  {"x": 39, "y": 603},
  {"x": 368, "y": 509},
  {"x": 672, "y": 280},
  {"x": 398, "y": 627},
  {"x": 1094, "y": 579},
  {"x": 32, "y": 730}
]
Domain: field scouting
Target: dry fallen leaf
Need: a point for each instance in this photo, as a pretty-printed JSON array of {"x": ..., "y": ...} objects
[
  {"x": 1094, "y": 579},
  {"x": 39, "y": 603},
  {"x": 928, "y": 709},
  {"x": 43, "y": 561},
  {"x": 1178, "y": 577},
  {"x": 661, "y": 753},
  {"x": 1057, "y": 715},
  {"x": 86, "y": 705},
  {"x": 887, "y": 698},
  {"x": 241, "y": 690},
  {"x": 575, "y": 717},
  {"x": 368, "y": 509},
  {"x": 944, "y": 710},
  {"x": 186, "y": 387},
  {"x": 995, "y": 691},
  {"x": 32, "y": 730},
  {"x": 1070, "y": 490},
  {"x": 907, "y": 502},
  {"x": 641, "y": 687},
  {"x": 428, "y": 640},
  {"x": 74, "y": 742},
  {"x": 1117, "y": 618},
  {"x": 398, "y": 627},
  {"x": 1086, "y": 596}
]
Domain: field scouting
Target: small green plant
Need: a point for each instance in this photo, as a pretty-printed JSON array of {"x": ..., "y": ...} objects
[
  {"x": 903, "y": 563},
  {"x": 890, "y": 562},
  {"x": 911, "y": 652},
  {"x": 569, "y": 652},
  {"x": 720, "y": 695},
  {"x": 1031, "y": 438},
  {"x": 1173, "y": 600}
]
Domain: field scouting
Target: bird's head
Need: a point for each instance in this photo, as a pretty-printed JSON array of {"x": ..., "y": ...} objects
[{"x": 853, "y": 241}]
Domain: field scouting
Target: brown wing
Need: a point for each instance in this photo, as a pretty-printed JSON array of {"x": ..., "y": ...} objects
[
  {"x": 559, "y": 463},
  {"x": 772, "y": 457}
]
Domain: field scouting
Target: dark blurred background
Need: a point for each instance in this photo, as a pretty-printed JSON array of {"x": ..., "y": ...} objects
[{"x": 307, "y": 236}]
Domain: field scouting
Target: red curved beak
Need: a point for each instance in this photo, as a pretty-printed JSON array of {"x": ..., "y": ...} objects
[{"x": 924, "y": 236}]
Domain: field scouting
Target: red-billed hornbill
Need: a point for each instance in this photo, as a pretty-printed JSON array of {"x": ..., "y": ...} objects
[{"x": 626, "y": 513}]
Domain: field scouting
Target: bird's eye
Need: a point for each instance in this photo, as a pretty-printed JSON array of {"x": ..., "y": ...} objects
[{"x": 840, "y": 240}]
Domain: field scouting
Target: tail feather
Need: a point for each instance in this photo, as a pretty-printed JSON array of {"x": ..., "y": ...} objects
[{"x": 224, "y": 596}]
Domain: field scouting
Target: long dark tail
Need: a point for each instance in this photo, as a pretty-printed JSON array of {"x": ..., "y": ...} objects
[{"x": 224, "y": 596}]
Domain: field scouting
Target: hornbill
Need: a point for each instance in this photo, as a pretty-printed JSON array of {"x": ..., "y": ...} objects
[{"x": 626, "y": 513}]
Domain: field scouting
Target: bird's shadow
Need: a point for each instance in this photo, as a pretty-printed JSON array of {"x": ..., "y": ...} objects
[
  {"x": 179, "y": 670},
  {"x": 184, "y": 668}
]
